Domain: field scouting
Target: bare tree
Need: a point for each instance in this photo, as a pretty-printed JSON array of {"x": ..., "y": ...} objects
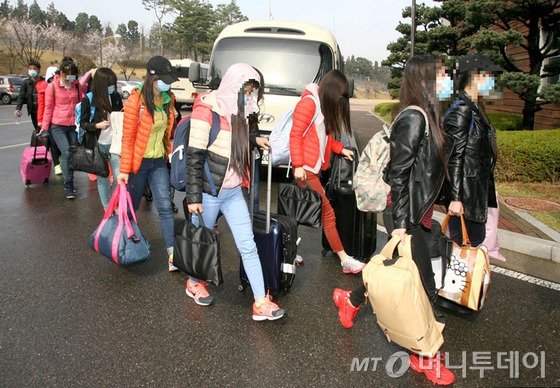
[
  {"x": 28, "y": 41},
  {"x": 160, "y": 8}
]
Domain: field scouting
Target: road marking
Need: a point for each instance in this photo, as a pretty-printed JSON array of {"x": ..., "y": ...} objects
[
  {"x": 525, "y": 278},
  {"x": 16, "y": 123},
  {"x": 13, "y": 146}
]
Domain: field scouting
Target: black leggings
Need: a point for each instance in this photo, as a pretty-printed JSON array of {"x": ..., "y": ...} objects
[
  {"x": 421, "y": 256},
  {"x": 476, "y": 230}
]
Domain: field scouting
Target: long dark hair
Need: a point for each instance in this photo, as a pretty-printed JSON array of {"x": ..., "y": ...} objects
[
  {"x": 335, "y": 103},
  {"x": 148, "y": 94},
  {"x": 239, "y": 159},
  {"x": 463, "y": 80},
  {"x": 104, "y": 77},
  {"x": 418, "y": 87},
  {"x": 68, "y": 66}
]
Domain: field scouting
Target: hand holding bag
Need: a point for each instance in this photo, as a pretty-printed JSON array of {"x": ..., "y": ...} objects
[
  {"x": 118, "y": 237},
  {"x": 468, "y": 273},
  {"x": 342, "y": 175},
  {"x": 301, "y": 203},
  {"x": 88, "y": 158},
  {"x": 196, "y": 250}
]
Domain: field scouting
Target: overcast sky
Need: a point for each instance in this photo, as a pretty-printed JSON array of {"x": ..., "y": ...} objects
[{"x": 362, "y": 27}]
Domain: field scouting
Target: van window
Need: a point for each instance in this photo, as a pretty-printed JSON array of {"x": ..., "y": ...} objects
[
  {"x": 182, "y": 72},
  {"x": 287, "y": 64}
]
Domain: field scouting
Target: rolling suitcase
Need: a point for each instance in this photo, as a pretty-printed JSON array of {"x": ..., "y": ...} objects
[
  {"x": 357, "y": 229},
  {"x": 36, "y": 164},
  {"x": 276, "y": 238}
]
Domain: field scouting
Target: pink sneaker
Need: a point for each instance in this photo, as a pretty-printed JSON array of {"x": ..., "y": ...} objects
[{"x": 351, "y": 265}]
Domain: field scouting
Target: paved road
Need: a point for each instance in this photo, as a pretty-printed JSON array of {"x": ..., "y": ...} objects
[{"x": 70, "y": 317}]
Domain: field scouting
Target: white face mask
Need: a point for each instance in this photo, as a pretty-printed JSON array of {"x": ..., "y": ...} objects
[{"x": 250, "y": 102}]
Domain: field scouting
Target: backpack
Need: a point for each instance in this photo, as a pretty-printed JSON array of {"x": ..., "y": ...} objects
[
  {"x": 178, "y": 158},
  {"x": 78, "y": 116},
  {"x": 280, "y": 135},
  {"x": 369, "y": 186}
]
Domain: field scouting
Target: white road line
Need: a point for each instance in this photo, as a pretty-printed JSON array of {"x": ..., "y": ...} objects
[
  {"x": 13, "y": 146},
  {"x": 526, "y": 278},
  {"x": 16, "y": 123}
]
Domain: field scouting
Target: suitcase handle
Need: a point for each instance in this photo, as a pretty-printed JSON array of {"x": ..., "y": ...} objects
[{"x": 268, "y": 186}]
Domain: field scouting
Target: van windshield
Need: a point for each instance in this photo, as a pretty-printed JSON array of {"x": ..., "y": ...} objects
[{"x": 287, "y": 65}]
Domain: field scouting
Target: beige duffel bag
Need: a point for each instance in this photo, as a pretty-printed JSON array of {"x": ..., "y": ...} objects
[{"x": 397, "y": 296}]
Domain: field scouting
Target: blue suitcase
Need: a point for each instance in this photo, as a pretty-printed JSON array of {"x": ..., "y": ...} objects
[{"x": 276, "y": 238}]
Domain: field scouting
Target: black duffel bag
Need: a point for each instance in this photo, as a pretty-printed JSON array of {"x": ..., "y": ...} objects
[
  {"x": 196, "y": 250},
  {"x": 342, "y": 173},
  {"x": 301, "y": 203},
  {"x": 88, "y": 158}
]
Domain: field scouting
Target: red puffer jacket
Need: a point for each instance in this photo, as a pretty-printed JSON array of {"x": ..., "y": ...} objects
[{"x": 304, "y": 150}]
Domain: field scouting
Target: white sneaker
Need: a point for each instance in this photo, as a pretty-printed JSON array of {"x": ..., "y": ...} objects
[
  {"x": 170, "y": 265},
  {"x": 57, "y": 170},
  {"x": 299, "y": 260},
  {"x": 351, "y": 265}
]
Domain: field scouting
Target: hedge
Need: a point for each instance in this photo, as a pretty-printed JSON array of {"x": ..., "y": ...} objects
[
  {"x": 528, "y": 156},
  {"x": 506, "y": 121},
  {"x": 384, "y": 109}
]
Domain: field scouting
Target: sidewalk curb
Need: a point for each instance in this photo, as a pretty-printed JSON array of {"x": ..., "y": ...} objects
[{"x": 520, "y": 243}]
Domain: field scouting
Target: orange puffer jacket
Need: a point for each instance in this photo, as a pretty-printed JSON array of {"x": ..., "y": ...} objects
[{"x": 137, "y": 124}]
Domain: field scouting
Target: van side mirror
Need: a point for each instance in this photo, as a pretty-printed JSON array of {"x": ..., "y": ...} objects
[
  {"x": 350, "y": 87},
  {"x": 194, "y": 72}
]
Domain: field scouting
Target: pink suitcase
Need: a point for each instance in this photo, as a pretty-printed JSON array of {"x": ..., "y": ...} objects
[{"x": 36, "y": 164}]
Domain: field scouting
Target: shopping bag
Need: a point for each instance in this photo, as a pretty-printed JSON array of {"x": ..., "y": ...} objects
[
  {"x": 301, "y": 203},
  {"x": 467, "y": 276},
  {"x": 118, "y": 236},
  {"x": 196, "y": 250},
  {"x": 399, "y": 301}
]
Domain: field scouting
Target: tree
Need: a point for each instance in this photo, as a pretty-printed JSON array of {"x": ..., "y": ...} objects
[
  {"x": 82, "y": 24},
  {"x": 20, "y": 11},
  {"x": 108, "y": 31},
  {"x": 160, "y": 8},
  {"x": 94, "y": 24},
  {"x": 121, "y": 30},
  {"x": 36, "y": 14},
  {"x": 533, "y": 26},
  {"x": 27, "y": 40},
  {"x": 132, "y": 35},
  {"x": 5, "y": 9},
  {"x": 226, "y": 15}
]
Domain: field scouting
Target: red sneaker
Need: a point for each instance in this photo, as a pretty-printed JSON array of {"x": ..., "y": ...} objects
[
  {"x": 346, "y": 312},
  {"x": 434, "y": 368}
]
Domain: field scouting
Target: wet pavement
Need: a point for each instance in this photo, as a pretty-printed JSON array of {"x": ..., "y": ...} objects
[{"x": 71, "y": 317}]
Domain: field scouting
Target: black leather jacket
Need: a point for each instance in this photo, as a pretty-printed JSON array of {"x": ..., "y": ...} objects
[
  {"x": 415, "y": 172},
  {"x": 472, "y": 162}
]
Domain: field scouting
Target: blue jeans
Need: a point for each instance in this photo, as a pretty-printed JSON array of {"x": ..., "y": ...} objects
[
  {"x": 65, "y": 137},
  {"x": 103, "y": 186},
  {"x": 476, "y": 231},
  {"x": 232, "y": 204},
  {"x": 155, "y": 173}
]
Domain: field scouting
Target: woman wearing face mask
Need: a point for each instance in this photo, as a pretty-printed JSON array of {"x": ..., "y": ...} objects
[
  {"x": 471, "y": 165},
  {"x": 149, "y": 115},
  {"x": 104, "y": 99},
  {"x": 413, "y": 154},
  {"x": 61, "y": 97},
  {"x": 228, "y": 158},
  {"x": 41, "y": 89}
]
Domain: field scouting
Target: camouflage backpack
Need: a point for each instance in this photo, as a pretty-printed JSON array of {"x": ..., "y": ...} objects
[{"x": 370, "y": 188}]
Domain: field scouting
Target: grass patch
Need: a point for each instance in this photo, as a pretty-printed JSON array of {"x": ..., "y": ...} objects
[
  {"x": 550, "y": 219},
  {"x": 534, "y": 190}
]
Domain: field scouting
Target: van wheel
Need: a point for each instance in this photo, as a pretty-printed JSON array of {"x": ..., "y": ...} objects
[
  {"x": 6, "y": 99},
  {"x": 125, "y": 95}
]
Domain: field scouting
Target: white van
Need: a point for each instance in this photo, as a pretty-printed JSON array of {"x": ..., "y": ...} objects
[
  {"x": 184, "y": 90},
  {"x": 289, "y": 54}
]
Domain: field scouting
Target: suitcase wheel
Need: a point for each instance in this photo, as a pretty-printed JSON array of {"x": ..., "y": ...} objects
[
  {"x": 28, "y": 182},
  {"x": 46, "y": 180}
]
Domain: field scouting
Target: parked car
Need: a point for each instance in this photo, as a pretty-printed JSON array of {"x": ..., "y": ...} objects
[
  {"x": 9, "y": 88},
  {"x": 125, "y": 87}
]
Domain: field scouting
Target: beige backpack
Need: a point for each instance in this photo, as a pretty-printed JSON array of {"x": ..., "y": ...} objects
[{"x": 399, "y": 301}]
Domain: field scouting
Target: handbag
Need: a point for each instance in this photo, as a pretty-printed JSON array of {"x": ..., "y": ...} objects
[
  {"x": 342, "y": 173},
  {"x": 301, "y": 203},
  {"x": 467, "y": 275},
  {"x": 196, "y": 250},
  {"x": 88, "y": 158},
  {"x": 118, "y": 236}
]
